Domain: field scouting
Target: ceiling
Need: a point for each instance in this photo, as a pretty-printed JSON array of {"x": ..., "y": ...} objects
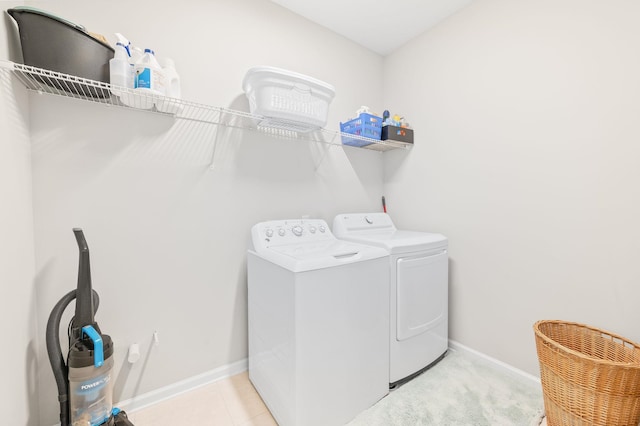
[{"x": 379, "y": 26}]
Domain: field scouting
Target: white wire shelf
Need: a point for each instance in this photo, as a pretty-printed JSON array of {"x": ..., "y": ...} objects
[{"x": 55, "y": 83}]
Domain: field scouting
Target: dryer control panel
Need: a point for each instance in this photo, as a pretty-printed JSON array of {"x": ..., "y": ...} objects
[
  {"x": 294, "y": 231},
  {"x": 353, "y": 222}
]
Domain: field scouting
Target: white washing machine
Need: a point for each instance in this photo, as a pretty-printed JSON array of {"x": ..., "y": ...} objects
[
  {"x": 418, "y": 289},
  {"x": 318, "y": 323}
]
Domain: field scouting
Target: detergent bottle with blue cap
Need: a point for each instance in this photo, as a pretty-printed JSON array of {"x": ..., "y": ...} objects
[{"x": 149, "y": 74}]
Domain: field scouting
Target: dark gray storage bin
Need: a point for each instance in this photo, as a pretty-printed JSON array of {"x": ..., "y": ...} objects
[{"x": 55, "y": 44}]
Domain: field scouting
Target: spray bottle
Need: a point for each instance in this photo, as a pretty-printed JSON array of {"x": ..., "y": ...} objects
[{"x": 120, "y": 70}]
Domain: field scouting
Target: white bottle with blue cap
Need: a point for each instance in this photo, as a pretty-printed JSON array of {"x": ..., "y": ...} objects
[
  {"x": 149, "y": 73},
  {"x": 149, "y": 80}
]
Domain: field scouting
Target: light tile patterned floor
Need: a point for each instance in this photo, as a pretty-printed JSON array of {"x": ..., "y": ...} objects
[{"x": 228, "y": 402}]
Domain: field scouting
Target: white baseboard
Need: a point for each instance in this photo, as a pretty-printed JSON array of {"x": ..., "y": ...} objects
[
  {"x": 462, "y": 348},
  {"x": 150, "y": 398},
  {"x": 178, "y": 388},
  {"x": 175, "y": 389}
]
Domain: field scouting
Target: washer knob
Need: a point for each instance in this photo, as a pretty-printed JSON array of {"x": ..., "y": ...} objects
[
  {"x": 322, "y": 228},
  {"x": 312, "y": 229},
  {"x": 297, "y": 230},
  {"x": 368, "y": 219},
  {"x": 281, "y": 232},
  {"x": 269, "y": 233}
]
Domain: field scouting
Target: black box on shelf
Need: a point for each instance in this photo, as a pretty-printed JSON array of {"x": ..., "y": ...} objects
[{"x": 395, "y": 133}]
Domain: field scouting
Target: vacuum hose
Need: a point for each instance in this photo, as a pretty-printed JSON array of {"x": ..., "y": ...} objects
[{"x": 58, "y": 365}]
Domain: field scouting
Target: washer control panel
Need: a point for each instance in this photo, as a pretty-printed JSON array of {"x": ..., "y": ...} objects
[{"x": 282, "y": 232}]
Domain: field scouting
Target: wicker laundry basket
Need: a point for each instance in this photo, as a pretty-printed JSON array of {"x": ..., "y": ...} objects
[{"x": 589, "y": 376}]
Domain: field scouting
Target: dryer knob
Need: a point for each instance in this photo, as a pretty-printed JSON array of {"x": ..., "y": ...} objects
[
  {"x": 269, "y": 233},
  {"x": 368, "y": 219},
  {"x": 281, "y": 232},
  {"x": 297, "y": 230},
  {"x": 322, "y": 228}
]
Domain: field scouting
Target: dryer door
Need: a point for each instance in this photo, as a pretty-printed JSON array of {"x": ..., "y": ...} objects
[{"x": 421, "y": 301}]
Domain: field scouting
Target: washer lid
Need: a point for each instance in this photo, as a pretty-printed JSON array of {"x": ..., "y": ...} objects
[
  {"x": 309, "y": 257},
  {"x": 377, "y": 229}
]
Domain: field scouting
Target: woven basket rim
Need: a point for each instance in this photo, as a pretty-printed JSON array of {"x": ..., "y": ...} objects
[{"x": 540, "y": 334}]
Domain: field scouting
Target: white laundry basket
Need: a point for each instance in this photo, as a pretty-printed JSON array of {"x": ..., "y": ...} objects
[{"x": 287, "y": 99}]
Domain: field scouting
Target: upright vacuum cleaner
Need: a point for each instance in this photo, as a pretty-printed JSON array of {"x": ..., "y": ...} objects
[{"x": 85, "y": 388}]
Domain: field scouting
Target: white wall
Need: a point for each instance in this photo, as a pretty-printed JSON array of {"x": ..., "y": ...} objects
[
  {"x": 18, "y": 396},
  {"x": 526, "y": 116},
  {"x": 167, "y": 234},
  {"x": 525, "y": 157}
]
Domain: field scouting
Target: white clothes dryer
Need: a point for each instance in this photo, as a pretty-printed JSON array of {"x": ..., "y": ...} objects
[
  {"x": 318, "y": 323},
  {"x": 418, "y": 289}
]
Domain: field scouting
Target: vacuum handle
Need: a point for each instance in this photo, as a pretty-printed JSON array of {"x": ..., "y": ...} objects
[
  {"x": 82, "y": 242},
  {"x": 98, "y": 347},
  {"x": 84, "y": 300}
]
